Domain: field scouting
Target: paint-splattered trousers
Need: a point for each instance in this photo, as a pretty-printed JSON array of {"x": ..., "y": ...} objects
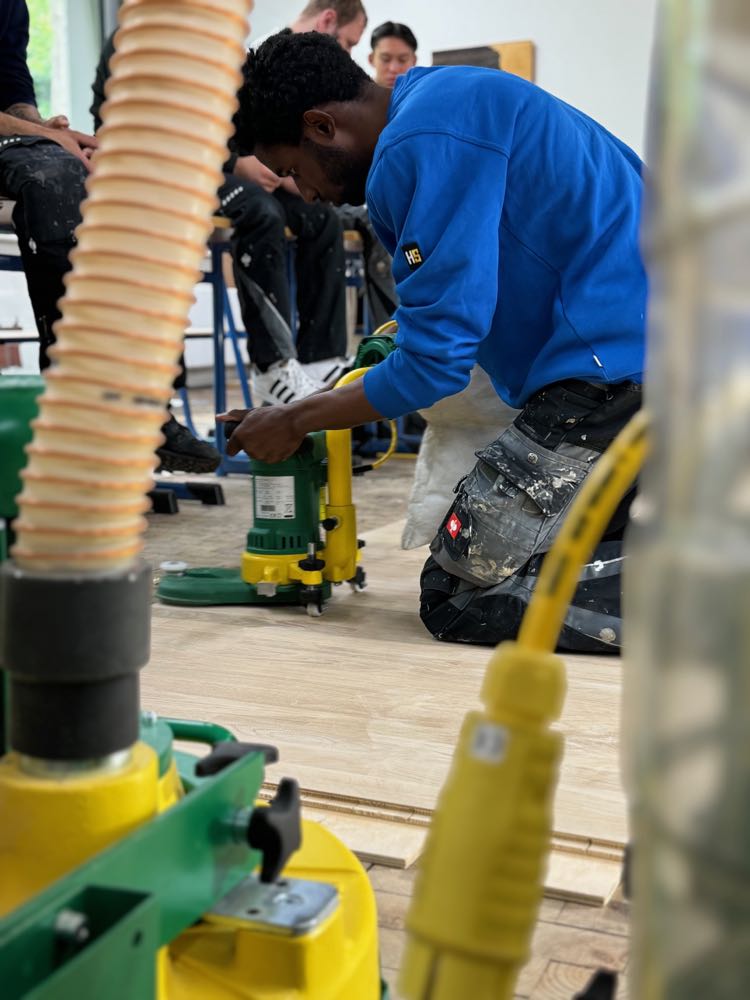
[
  {"x": 47, "y": 185},
  {"x": 507, "y": 513}
]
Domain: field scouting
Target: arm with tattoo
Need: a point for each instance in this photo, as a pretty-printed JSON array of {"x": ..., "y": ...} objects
[{"x": 26, "y": 112}]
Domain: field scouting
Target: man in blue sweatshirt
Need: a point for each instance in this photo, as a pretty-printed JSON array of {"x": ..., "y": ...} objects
[{"x": 513, "y": 220}]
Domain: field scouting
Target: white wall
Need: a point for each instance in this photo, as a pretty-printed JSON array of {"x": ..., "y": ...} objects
[
  {"x": 77, "y": 44},
  {"x": 273, "y": 15},
  {"x": 592, "y": 53}
]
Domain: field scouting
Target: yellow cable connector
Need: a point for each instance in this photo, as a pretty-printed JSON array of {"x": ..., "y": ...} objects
[{"x": 481, "y": 875}]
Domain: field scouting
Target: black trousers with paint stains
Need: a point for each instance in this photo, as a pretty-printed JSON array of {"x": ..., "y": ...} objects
[
  {"x": 508, "y": 510},
  {"x": 47, "y": 185},
  {"x": 259, "y": 258}
]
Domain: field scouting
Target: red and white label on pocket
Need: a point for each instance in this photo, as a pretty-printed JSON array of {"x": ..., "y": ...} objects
[{"x": 453, "y": 525}]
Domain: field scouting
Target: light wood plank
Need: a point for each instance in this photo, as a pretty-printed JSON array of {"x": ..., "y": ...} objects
[
  {"x": 374, "y": 841},
  {"x": 581, "y": 878}
]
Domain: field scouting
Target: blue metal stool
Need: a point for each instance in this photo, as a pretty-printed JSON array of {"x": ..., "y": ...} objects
[{"x": 223, "y": 327}]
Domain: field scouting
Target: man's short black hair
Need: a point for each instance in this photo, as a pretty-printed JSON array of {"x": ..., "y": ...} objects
[
  {"x": 289, "y": 74},
  {"x": 392, "y": 29}
]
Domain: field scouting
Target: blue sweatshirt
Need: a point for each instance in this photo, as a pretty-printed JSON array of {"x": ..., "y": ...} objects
[
  {"x": 512, "y": 219},
  {"x": 16, "y": 86}
]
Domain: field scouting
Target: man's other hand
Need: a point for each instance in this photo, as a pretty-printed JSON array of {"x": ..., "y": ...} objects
[
  {"x": 267, "y": 433},
  {"x": 78, "y": 144},
  {"x": 57, "y": 121},
  {"x": 249, "y": 168}
]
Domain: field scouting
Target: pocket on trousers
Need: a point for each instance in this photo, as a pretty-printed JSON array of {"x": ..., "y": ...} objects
[{"x": 508, "y": 508}]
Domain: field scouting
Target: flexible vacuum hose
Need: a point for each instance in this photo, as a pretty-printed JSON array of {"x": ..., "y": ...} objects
[{"x": 145, "y": 223}]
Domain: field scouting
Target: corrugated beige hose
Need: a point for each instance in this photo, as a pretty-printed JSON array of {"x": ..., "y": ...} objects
[{"x": 145, "y": 223}]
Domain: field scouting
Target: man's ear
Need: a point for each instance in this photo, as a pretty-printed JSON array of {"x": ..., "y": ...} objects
[
  {"x": 371, "y": 58},
  {"x": 327, "y": 22},
  {"x": 319, "y": 126}
]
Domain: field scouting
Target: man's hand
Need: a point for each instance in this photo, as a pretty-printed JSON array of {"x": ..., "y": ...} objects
[
  {"x": 249, "y": 168},
  {"x": 273, "y": 433},
  {"x": 267, "y": 433},
  {"x": 78, "y": 144},
  {"x": 290, "y": 185},
  {"x": 57, "y": 121}
]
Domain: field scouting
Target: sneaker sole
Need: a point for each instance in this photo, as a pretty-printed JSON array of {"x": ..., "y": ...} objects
[{"x": 171, "y": 461}]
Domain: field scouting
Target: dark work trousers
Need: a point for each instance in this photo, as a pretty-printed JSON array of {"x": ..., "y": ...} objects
[
  {"x": 47, "y": 185},
  {"x": 488, "y": 552},
  {"x": 380, "y": 288},
  {"x": 259, "y": 257}
]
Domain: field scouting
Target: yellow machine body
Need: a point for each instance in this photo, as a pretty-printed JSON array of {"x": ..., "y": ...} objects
[
  {"x": 278, "y": 570},
  {"x": 222, "y": 957},
  {"x": 52, "y": 824}
]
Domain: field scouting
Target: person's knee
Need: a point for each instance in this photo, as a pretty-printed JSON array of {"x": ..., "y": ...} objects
[
  {"x": 453, "y": 611},
  {"x": 50, "y": 200},
  {"x": 254, "y": 213}
]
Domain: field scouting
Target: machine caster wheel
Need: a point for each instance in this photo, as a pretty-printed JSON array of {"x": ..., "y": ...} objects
[
  {"x": 359, "y": 581},
  {"x": 312, "y": 600}
]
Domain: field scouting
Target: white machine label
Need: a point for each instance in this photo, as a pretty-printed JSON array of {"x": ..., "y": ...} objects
[
  {"x": 488, "y": 742},
  {"x": 274, "y": 497}
]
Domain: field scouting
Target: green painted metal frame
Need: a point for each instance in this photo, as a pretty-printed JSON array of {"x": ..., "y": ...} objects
[{"x": 138, "y": 894}]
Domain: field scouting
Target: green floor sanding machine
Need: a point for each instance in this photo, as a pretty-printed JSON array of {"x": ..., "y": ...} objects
[{"x": 303, "y": 537}]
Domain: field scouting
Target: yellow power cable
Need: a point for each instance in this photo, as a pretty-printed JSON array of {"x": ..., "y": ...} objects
[{"x": 391, "y": 447}]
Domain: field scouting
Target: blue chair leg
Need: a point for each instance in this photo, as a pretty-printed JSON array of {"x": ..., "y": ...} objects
[
  {"x": 234, "y": 339},
  {"x": 221, "y": 319}
]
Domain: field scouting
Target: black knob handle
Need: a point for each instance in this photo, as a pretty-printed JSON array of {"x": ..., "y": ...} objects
[
  {"x": 276, "y": 829},
  {"x": 226, "y": 753}
]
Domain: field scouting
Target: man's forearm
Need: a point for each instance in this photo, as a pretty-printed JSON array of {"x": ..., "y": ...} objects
[
  {"x": 26, "y": 112},
  {"x": 333, "y": 410},
  {"x": 12, "y": 125}
]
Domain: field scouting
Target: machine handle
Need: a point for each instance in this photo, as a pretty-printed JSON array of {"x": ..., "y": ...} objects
[
  {"x": 229, "y": 428},
  {"x": 224, "y": 754},
  {"x": 276, "y": 829}
]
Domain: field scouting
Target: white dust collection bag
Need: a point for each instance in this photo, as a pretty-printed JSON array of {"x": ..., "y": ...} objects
[{"x": 457, "y": 427}]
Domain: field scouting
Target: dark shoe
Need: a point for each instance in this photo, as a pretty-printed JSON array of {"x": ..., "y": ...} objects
[{"x": 181, "y": 452}]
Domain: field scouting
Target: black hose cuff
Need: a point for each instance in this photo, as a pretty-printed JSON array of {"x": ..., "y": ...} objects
[
  {"x": 70, "y": 628},
  {"x": 73, "y": 647}
]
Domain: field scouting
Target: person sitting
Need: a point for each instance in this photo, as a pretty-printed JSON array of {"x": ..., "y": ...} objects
[{"x": 43, "y": 168}]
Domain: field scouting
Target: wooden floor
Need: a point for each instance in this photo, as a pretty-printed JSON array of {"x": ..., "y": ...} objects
[
  {"x": 266, "y": 674},
  {"x": 571, "y": 941}
]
